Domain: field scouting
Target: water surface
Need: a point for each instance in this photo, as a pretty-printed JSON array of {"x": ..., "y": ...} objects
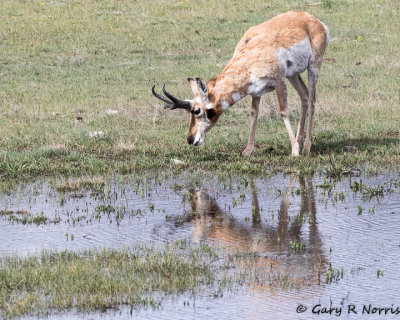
[{"x": 353, "y": 232}]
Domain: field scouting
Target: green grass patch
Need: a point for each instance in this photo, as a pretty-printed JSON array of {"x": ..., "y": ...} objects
[
  {"x": 100, "y": 279},
  {"x": 69, "y": 59},
  {"x": 26, "y": 218},
  {"x": 141, "y": 276}
]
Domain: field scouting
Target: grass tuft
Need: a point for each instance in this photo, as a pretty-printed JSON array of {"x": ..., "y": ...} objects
[{"x": 99, "y": 279}]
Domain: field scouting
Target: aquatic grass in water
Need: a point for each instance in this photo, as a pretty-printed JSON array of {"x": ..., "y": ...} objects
[
  {"x": 297, "y": 246},
  {"x": 278, "y": 235},
  {"x": 137, "y": 277},
  {"x": 24, "y": 217},
  {"x": 100, "y": 280},
  {"x": 367, "y": 191},
  {"x": 333, "y": 275},
  {"x": 81, "y": 183},
  {"x": 38, "y": 219}
]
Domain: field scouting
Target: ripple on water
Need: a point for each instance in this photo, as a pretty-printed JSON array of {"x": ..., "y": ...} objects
[{"x": 269, "y": 217}]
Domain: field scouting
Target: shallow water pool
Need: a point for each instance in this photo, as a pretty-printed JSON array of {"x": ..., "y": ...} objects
[{"x": 337, "y": 243}]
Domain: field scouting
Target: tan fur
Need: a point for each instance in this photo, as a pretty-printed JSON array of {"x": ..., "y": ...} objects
[
  {"x": 256, "y": 52},
  {"x": 192, "y": 126},
  {"x": 256, "y": 55}
]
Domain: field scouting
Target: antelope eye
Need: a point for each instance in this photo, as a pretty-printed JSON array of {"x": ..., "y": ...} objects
[
  {"x": 196, "y": 112},
  {"x": 210, "y": 113}
]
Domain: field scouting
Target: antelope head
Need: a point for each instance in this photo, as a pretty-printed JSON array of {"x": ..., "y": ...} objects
[{"x": 203, "y": 112}]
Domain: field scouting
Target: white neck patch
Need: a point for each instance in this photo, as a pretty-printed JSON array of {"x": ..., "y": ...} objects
[
  {"x": 236, "y": 96},
  {"x": 225, "y": 104}
]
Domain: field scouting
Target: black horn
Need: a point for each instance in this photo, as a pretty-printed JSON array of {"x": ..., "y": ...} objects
[
  {"x": 172, "y": 102},
  {"x": 177, "y": 102},
  {"x": 159, "y": 96},
  {"x": 168, "y": 104}
]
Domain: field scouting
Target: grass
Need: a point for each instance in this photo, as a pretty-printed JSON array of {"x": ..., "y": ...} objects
[
  {"x": 68, "y": 59},
  {"x": 99, "y": 280},
  {"x": 80, "y": 183},
  {"x": 25, "y": 218},
  {"x": 141, "y": 276},
  {"x": 38, "y": 219}
]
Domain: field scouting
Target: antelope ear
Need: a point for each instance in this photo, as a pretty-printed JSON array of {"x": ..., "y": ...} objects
[
  {"x": 202, "y": 89},
  {"x": 193, "y": 85}
]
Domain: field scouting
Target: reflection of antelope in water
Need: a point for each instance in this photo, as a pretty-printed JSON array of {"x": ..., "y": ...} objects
[{"x": 210, "y": 222}]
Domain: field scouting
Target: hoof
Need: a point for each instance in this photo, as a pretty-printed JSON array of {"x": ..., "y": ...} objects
[{"x": 247, "y": 152}]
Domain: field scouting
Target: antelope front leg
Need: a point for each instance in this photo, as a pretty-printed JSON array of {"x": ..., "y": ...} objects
[
  {"x": 298, "y": 83},
  {"x": 281, "y": 91},
  {"x": 255, "y": 103},
  {"x": 313, "y": 72},
  {"x": 311, "y": 109}
]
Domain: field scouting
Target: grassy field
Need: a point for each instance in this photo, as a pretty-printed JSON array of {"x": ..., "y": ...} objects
[{"x": 65, "y": 59}]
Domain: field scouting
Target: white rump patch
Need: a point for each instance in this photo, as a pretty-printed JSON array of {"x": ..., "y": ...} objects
[{"x": 295, "y": 59}]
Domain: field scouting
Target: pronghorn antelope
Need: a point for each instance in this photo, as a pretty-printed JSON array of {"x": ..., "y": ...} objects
[{"x": 267, "y": 54}]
